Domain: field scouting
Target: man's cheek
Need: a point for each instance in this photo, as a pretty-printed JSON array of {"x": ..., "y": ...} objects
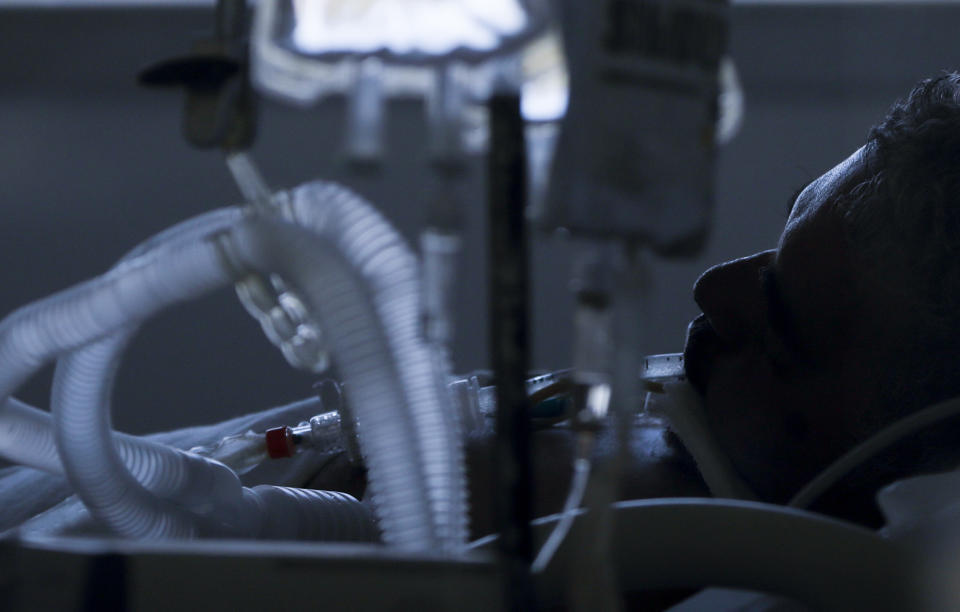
[
  {"x": 737, "y": 399},
  {"x": 745, "y": 413}
]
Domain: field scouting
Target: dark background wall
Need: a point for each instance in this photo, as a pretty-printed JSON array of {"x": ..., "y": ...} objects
[{"x": 90, "y": 165}]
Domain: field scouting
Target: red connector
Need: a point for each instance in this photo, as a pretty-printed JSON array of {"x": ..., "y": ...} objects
[{"x": 280, "y": 442}]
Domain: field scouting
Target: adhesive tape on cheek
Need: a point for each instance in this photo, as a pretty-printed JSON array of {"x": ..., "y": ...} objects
[{"x": 681, "y": 406}]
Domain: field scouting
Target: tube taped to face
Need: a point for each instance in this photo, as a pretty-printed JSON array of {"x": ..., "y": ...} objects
[{"x": 636, "y": 152}]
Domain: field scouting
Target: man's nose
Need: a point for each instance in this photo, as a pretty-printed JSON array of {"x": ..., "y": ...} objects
[{"x": 731, "y": 296}]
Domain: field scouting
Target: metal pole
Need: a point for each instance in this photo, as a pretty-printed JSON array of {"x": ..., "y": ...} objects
[{"x": 509, "y": 343}]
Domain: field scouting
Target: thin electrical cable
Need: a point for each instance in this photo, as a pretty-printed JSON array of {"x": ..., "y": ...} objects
[
  {"x": 578, "y": 486},
  {"x": 873, "y": 446}
]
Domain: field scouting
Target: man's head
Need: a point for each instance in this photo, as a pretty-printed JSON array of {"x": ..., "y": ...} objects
[{"x": 854, "y": 319}]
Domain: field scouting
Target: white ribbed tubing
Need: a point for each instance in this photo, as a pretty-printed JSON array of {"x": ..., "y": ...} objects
[
  {"x": 364, "y": 285},
  {"x": 26, "y": 434},
  {"x": 139, "y": 287},
  {"x": 308, "y": 514},
  {"x": 361, "y": 278},
  {"x": 151, "y": 490},
  {"x": 137, "y": 487}
]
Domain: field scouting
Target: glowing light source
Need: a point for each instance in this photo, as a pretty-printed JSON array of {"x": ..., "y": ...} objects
[{"x": 404, "y": 27}]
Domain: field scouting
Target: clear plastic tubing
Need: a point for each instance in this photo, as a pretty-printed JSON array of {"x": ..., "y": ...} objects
[
  {"x": 366, "y": 277},
  {"x": 26, "y": 436},
  {"x": 210, "y": 499},
  {"x": 364, "y": 288},
  {"x": 158, "y": 491},
  {"x": 35, "y": 334},
  {"x": 190, "y": 489},
  {"x": 26, "y": 433}
]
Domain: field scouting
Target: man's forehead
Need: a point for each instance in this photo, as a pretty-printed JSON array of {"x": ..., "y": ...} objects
[
  {"x": 813, "y": 260},
  {"x": 827, "y": 186}
]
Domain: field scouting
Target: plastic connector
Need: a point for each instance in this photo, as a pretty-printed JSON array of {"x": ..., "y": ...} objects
[{"x": 280, "y": 442}]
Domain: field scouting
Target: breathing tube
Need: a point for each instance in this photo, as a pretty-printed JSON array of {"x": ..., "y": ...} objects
[
  {"x": 68, "y": 320},
  {"x": 26, "y": 434},
  {"x": 354, "y": 266},
  {"x": 363, "y": 287}
]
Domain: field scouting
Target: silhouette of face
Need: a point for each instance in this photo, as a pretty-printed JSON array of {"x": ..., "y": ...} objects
[{"x": 782, "y": 352}]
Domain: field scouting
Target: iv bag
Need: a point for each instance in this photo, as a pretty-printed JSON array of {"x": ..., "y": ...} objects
[{"x": 635, "y": 156}]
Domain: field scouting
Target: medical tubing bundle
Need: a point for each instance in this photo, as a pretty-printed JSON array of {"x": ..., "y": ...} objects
[
  {"x": 399, "y": 478},
  {"x": 139, "y": 488},
  {"x": 209, "y": 490},
  {"x": 35, "y": 334},
  {"x": 132, "y": 291},
  {"x": 217, "y": 504},
  {"x": 26, "y": 437},
  {"x": 362, "y": 285},
  {"x": 153, "y": 493},
  {"x": 26, "y": 433},
  {"x": 92, "y": 464}
]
